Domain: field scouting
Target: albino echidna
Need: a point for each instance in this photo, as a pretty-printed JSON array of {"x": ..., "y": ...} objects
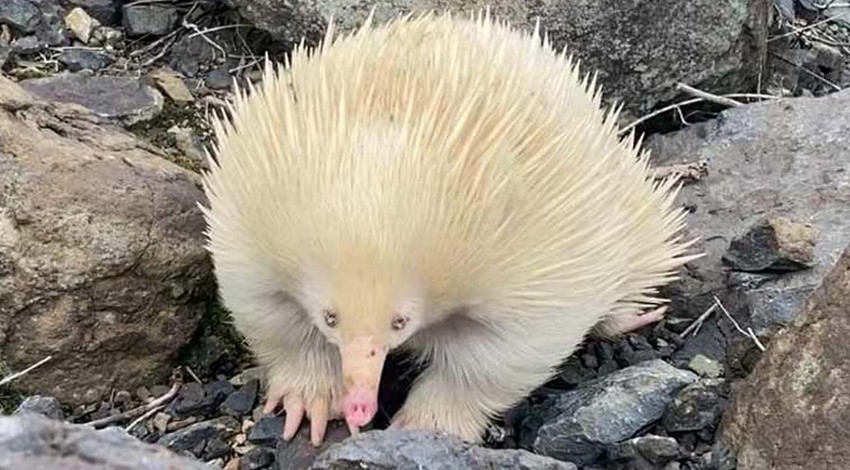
[{"x": 446, "y": 185}]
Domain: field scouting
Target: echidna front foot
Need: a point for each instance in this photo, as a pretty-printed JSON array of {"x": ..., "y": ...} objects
[{"x": 317, "y": 409}]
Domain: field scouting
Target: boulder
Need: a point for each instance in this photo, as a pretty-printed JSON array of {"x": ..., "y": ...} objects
[
  {"x": 792, "y": 412},
  {"x": 422, "y": 450},
  {"x": 33, "y": 442},
  {"x": 102, "y": 262},
  {"x": 640, "y": 48},
  {"x": 784, "y": 159}
]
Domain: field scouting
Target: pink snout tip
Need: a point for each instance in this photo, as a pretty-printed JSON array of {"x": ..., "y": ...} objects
[{"x": 360, "y": 408}]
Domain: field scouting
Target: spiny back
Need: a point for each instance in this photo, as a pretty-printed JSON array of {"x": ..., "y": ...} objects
[{"x": 463, "y": 149}]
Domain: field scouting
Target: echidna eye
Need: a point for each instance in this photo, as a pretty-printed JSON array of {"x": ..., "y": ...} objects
[
  {"x": 330, "y": 318},
  {"x": 398, "y": 323}
]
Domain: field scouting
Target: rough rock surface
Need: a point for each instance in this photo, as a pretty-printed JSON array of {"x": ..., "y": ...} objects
[
  {"x": 47, "y": 407},
  {"x": 102, "y": 264},
  {"x": 576, "y": 426},
  {"x": 123, "y": 98},
  {"x": 792, "y": 412},
  {"x": 30, "y": 442},
  {"x": 418, "y": 450},
  {"x": 641, "y": 48},
  {"x": 783, "y": 159}
]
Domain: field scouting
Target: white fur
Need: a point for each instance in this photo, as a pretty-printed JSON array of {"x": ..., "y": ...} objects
[{"x": 457, "y": 172}]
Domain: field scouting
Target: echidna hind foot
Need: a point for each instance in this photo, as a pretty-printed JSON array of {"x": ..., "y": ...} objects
[{"x": 628, "y": 322}]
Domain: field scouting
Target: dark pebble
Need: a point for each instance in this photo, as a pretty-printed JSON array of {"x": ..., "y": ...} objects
[
  {"x": 696, "y": 407},
  {"x": 266, "y": 431},
  {"x": 200, "y": 438},
  {"x": 28, "y": 45},
  {"x": 152, "y": 19},
  {"x": 218, "y": 391},
  {"x": 256, "y": 459},
  {"x": 82, "y": 59},
  {"x": 241, "y": 402},
  {"x": 219, "y": 79}
]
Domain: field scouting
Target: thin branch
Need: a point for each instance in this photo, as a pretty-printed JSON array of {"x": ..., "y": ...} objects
[
  {"x": 721, "y": 100},
  {"x": 25, "y": 371},
  {"x": 699, "y": 321},
  {"x": 143, "y": 417},
  {"x": 663, "y": 110},
  {"x": 749, "y": 333},
  {"x": 164, "y": 399}
]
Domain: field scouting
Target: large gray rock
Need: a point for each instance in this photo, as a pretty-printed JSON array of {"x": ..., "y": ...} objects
[
  {"x": 420, "y": 450},
  {"x": 39, "y": 443},
  {"x": 126, "y": 99},
  {"x": 640, "y": 47},
  {"x": 578, "y": 425},
  {"x": 102, "y": 263},
  {"x": 782, "y": 159},
  {"x": 792, "y": 412}
]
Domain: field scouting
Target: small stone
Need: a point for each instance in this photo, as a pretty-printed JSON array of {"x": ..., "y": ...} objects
[
  {"x": 241, "y": 402},
  {"x": 697, "y": 406},
  {"x": 204, "y": 440},
  {"x": 247, "y": 375},
  {"x": 776, "y": 244},
  {"x": 107, "y": 37},
  {"x": 46, "y": 406},
  {"x": 81, "y": 24},
  {"x": 655, "y": 450},
  {"x": 218, "y": 391},
  {"x": 219, "y": 79},
  {"x": 172, "y": 85},
  {"x": 152, "y": 19},
  {"x": 159, "y": 390},
  {"x": 589, "y": 361},
  {"x": 705, "y": 366},
  {"x": 104, "y": 11},
  {"x": 22, "y": 15},
  {"x": 267, "y": 431},
  {"x": 160, "y": 422},
  {"x": 143, "y": 394},
  {"x": 190, "y": 399},
  {"x": 257, "y": 458},
  {"x": 28, "y": 45}
]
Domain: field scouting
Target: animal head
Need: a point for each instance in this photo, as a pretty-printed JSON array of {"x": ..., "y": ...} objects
[{"x": 366, "y": 305}]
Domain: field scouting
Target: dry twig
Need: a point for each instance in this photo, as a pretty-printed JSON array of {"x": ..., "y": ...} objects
[
  {"x": 749, "y": 333},
  {"x": 163, "y": 400},
  {"x": 721, "y": 100},
  {"x": 29, "y": 369},
  {"x": 695, "y": 326},
  {"x": 143, "y": 417}
]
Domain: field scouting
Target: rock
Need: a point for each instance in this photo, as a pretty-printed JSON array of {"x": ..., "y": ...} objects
[
  {"x": 421, "y": 450},
  {"x": 257, "y": 458},
  {"x": 107, "y": 37},
  {"x": 218, "y": 391},
  {"x": 123, "y": 98},
  {"x": 786, "y": 159},
  {"x": 705, "y": 367},
  {"x": 798, "y": 395},
  {"x": 160, "y": 422},
  {"x": 650, "y": 451},
  {"x": 298, "y": 453},
  {"x": 200, "y": 438},
  {"x": 776, "y": 244},
  {"x": 38, "y": 443},
  {"x": 81, "y": 24},
  {"x": 104, "y": 11},
  {"x": 218, "y": 79},
  {"x": 172, "y": 85},
  {"x": 641, "y": 48},
  {"x": 83, "y": 59},
  {"x": 28, "y": 45},
  {"x": 697, "y": 406},
  {"x": 95, "y": 231},
  {"x": 578, "y": 425},
  {"x": 197, "y": 399},
  {"x": 22, "y": 15},
  {"x": 42, "y": 18},
  {"x": 47, "y": 407},
  {"x": 152, "y": 19},
  {"x": 241, "y": 402},
  {"x": 266, "y": 431}
]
